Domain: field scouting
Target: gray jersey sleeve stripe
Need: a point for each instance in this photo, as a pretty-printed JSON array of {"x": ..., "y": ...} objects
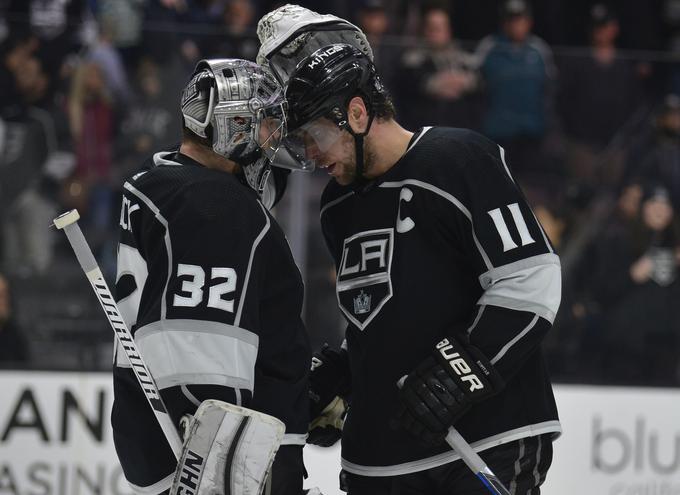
[
  {"x": 501, "y": 151},
  {"x": 451, "y": 198},
  {"x": 518, "y": 468},
  {"x": 536, "y": 472},
  {"x": 258, "y": 239},
  {"x": 517, "y": 338},
  {"x": 192, "y": 398},
  {"x": 197, "y": 352},
  {"x": 166, "y": 238},
  {"x": 477, "y": 318},
  {"x": 532, "y": 284}
]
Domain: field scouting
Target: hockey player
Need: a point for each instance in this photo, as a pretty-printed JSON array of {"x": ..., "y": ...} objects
[
  {"x": 206, "y": 280},
  {"x": 444, "y": 276}
]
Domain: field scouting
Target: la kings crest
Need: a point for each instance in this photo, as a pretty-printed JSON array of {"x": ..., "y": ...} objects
[{"x": 364, "y": 284}]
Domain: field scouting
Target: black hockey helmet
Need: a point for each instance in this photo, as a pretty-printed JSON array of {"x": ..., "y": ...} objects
[
  {"x": 324, "y": 82},
  {"x": 322, "y": 85}
]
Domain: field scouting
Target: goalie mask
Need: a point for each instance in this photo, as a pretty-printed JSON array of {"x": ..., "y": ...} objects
[{"x": 240, "y": 108}]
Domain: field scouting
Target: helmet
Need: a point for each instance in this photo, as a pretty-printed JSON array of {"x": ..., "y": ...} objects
[
  {"x": 322, "y": 86},
  {"x": 240, "y": 108},
  {"x": 325, "y": 81},
  {"x": 291, "y": 33}
]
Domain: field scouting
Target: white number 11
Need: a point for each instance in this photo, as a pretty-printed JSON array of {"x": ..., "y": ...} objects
[{"x": 502, "y": 227}]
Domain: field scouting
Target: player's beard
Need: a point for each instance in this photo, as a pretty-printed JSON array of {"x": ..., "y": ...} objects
[
  {"x": 369, "y": 160},
  {"x": 347, "y": 167},
  {"x": 352, "y": 173}
]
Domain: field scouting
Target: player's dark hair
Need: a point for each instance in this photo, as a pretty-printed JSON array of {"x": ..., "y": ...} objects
[{"x": 383, "y": 106}]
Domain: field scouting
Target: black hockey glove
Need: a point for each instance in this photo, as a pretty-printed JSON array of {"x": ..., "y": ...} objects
[
  {"x": 444, "y": 387},
  {"x": 329, "y": 385}
]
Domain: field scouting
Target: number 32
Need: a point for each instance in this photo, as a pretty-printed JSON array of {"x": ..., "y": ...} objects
[{"x": 194, "y": 287}]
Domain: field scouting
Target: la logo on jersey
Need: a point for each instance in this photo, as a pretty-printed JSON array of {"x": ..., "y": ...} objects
[{"x": 364, "y": 284}]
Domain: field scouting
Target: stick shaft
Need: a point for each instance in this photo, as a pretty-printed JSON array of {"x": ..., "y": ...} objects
[
  {"x": 475, "y": 463},
  {"x": 471, "y": 458},
  {"x": 99, "y": 286}
]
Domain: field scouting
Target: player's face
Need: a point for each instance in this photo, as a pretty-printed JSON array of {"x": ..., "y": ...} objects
[{"x": 329, "y": 147}]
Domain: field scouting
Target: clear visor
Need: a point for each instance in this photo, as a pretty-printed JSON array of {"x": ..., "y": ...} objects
[
  {"x": 307, "y": 145},
  {"x": 272, "y": 130}
]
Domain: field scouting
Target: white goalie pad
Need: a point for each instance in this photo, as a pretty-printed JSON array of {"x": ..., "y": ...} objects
[{"x": 228, "y": 450}]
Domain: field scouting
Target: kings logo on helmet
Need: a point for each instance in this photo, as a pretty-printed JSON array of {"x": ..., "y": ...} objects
[{"x": 324, "y": 55}]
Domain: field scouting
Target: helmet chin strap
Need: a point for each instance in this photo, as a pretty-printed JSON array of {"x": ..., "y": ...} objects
[{"x": 360, "y": 181}]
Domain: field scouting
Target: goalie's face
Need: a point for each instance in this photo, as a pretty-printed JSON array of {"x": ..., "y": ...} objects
[{"x": 323, "y": 144}]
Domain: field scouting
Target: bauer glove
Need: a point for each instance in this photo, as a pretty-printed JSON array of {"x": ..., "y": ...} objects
[{"x": 444, "y": 387}]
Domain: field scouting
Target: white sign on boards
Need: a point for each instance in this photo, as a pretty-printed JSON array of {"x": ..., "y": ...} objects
[{"x": 55, "y": 439}]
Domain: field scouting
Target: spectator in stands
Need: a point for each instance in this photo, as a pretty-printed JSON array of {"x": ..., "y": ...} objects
[
  {"x": 14, "y": 51},
  {"x": 124, "y": 21},
  {"x": 595, "y": 284},
  {"x": 435, "y": 77},
  {"x": 13, "y": 344},
  {"x": 639, "y": 287},
  {"x": 56, "y": 24},
  {"x": 599, "y": 94},
  {"x": 161, "y": 41},
  {"x": 234, "y": 36},
  {"x": 148, "y": 125},
  {"x": 92, "y": 129},
  {"x": 517, "y": 69},
  {"x": 105, "y": 55},
  {"x": 374, "y": 21},
  {"x": 659, "y": 160},
  {"x": 25, "y": 150}
]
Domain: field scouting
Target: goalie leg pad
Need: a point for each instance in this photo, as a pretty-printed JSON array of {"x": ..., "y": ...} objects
[{"x": 228, "y": 450}]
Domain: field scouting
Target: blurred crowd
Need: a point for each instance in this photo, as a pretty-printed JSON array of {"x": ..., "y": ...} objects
[{"x": 583, "y": 96}]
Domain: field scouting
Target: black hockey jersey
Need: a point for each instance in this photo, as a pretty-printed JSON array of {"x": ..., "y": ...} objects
[
  {"x": 208, "y": 285},
  {"x": 444, "y": 243}
]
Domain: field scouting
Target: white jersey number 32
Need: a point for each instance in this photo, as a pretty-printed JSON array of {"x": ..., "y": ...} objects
[{"x": 192, "y": 288}]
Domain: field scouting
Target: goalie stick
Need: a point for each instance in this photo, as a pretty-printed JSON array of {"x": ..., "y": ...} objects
[
  {"x": 68, "y": 222},
  {"x": 471, "y": 459}
]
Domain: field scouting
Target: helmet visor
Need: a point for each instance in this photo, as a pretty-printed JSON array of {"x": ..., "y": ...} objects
[
  {"x": 272, "y": 130},
  {"x": 311, "y": 141}
]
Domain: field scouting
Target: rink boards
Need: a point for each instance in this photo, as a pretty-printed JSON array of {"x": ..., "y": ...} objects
[{"x": 55, "y": 439}]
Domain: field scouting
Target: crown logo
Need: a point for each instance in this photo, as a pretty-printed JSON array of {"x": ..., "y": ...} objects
[{"x": 362, "y": 303}]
